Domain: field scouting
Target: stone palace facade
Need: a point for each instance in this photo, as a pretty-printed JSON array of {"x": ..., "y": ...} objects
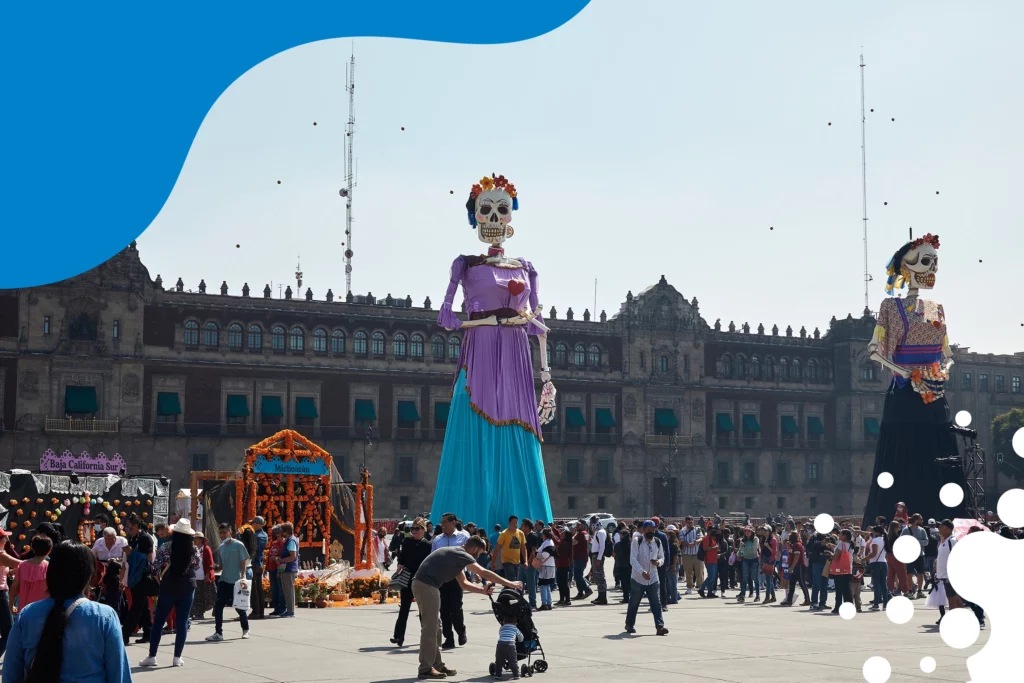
[{"x": 659, "y": 412}]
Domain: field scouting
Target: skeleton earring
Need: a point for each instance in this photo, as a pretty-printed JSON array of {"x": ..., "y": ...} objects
[{"x": 509, "y": 231}]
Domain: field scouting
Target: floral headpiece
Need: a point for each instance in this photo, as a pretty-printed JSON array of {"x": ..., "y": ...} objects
[
  {"x": 896, "y": 280},
  {"x": 485, "y": 185}
]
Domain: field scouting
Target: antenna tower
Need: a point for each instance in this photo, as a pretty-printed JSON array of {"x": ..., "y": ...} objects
[
  {"x": 864, "y": 181},
  {"x": 346, "y": 192}
]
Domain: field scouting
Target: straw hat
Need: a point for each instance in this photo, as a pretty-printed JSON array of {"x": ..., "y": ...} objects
[{"x": 183, "y": 526}]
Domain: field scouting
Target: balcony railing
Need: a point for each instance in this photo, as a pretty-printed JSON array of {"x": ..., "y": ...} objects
[
  {"x": 668, "y": 440},
  {"x": 91, "y": 425}
]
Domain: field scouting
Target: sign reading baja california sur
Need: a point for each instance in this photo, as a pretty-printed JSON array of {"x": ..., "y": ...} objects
[{"x": 83, "y": 462}]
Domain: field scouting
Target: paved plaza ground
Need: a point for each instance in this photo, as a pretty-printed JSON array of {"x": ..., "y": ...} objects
[{"x": 710, "y": 640}]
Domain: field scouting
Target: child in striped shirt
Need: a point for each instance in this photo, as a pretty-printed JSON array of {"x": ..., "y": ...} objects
[{"x": 505, "y": 653}]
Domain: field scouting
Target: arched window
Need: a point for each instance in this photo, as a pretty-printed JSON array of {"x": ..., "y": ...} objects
[
  {"x": 783, "y": 368},
  {"x": 234, "y": 336},
  {"x": 377, "y": 344},
  {"x": 812, "y": 370},
  {"x": 277, "y": 338},
  {"x": 561, "y": 354},
  {"x": 437, "y": 347},
  {"x": 297, "y": 339},
  {"x": 741, "y": 365},
  {"x": 579, "y": 355},
  {"x": 400, "y": 346},
  {"x": 191, "y": 333},
  {"x": 869, "y": 372},
  {"x": 826, "y": 372},
  {"x": 794, "y": 370},
  {"x": 769, "y": 368},
  {"x": 255, "y": 340},
  {"x": 726, "y": 366},
  {"x": 755, "y": 367},
  {"x": 360, "y": 344},
  {"x": 549, "y": 356},
  {"x": 594, "y": 358},
  {"x": 453, "y": 348},
  {"x": 663, "y": 364},
  {"x": 338, "y": 342},
  {"x": 416, "y": 346},
  {"x": 319, "y": 340},
  {"x": 211, "y": 335}
]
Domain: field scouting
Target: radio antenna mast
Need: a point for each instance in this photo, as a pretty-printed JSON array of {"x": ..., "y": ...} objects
[
  {"x": 864, "y": 182},
  {"x": 346, "y": 192}
]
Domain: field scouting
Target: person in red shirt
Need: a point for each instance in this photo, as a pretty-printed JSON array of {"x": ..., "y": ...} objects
[
  {"x": 580, "y": 557},
  {"x": 796, "y": 571},
  {"x": 273, "y": 555},
  {"x": 711, "y": 545},
  {"x": 563, "y": 566},
  {"x": 206, "y": 591}
]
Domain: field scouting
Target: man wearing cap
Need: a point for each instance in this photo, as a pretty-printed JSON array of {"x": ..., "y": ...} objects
[
  {"x": 598, "y": 544},
  {"x": 693, "y": 569},
  {"x": 946, "y": 543},
  {"x": 646, "y": 556},
  {"x": 257, "y": 567}
]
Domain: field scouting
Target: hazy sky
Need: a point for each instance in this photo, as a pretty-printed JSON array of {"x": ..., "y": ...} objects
[{"x": 663, "y": 139}]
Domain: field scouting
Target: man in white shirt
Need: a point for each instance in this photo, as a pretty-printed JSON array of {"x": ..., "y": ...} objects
[
  {"x": 878, "y": 569},
  {"x": 693, "y": 569},
  {"x": 946, "y": 543},
  {"x": 645, "y": 556},
  {"x": 110, "y": 546},
  {"x": 598, "y": 545}
]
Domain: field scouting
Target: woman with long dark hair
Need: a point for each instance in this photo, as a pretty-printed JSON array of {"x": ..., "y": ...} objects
[
  {"x": 414, "y": 550},
  {"x": 67, "y": 628},
  {"x": 897, "y": 576},
  {"x": 175, "y": 567},
  {"x": 563, "y": 567}
]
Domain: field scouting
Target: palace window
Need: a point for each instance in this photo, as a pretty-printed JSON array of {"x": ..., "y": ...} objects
[
  {"x": 191, "y": 333},
  {"x": 277, "y": 338},
  {"x": 967, "y": 381},
  {"x": 46, "y": 326},
  {"x": 1000, "y": 384},
  {"x": 360, "y": 343},
  {"x": 1015, "y": 385},
  {"x": 255, "y": 340},
  {"x": 235, "y": 337},
  {"x": 416, "y": 346},
  {"x": 437, "y": 347},
  {"x": 982, "y": 382},
  {"x": 320, "y": 340},
  {"x": 211, "y": 335},
  {"x": 594, "y": 358},
  {"x": 297, "y": 340},
  {"x": 561, "y": 354},
  {"x": 454, "y": 344},
  {"x": 400, "y": 346},
  {"x": 663, "y": 364},
  {"x": 579, "y": 356},
  {"x": 377, "y": 344},
  {"x": 338, "y": 342}
]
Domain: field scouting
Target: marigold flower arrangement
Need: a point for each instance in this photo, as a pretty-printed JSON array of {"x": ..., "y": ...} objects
[{"x": 924, "y": 380}]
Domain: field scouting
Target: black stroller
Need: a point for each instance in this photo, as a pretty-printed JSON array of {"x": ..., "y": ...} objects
[{"x": 511, "y": 603}]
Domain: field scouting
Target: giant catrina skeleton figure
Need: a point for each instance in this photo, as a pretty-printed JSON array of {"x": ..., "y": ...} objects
[
  {"x": 491, "y": 464},
  {"x": 915, "y": 443}
]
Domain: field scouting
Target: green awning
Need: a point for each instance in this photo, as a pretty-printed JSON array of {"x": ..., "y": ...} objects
[
  {"x": 871, "y": 426},
  {"x": 83, "y": 400},
  {"x": 441, "y": 412},
  {"x": 789, "y": 425},
  {"x": 552, "y": 424},
  {"x": 814, "y": 425},
  {"x": 665, "y": 417},
  {"x": 270, "y": 406},
  {"x": 365, "y": 411},
  {"x": 574, "y": 417},
  {"x": 167, "y": 404},
  {"x": 604, "y": 417},
  {"x": 305, "y": 408},
  {"x": 238, "y": 406},
  {"x": 723, "y": 422},
  {"x": 407, "y": 412},
  {"x": 750, "y": 424}
]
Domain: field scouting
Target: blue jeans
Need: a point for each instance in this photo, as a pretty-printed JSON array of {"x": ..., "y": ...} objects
[
  {"x": 636, "y": 593},
  {"x": 531, "y": 585},
  {"x": 579, "y": 568},
  {"x": 672, "y": 584},
  {"x": 749, "y": 578},
  {"x": 545, "y": 595},
  {"x": 879, "y": 574},
  {"x": 819, "y": 585},
  {"x": 276, "y": 596},
  {"x": 510, "y": 571},
  {"x": 182, "y": 607},
  {"x": 709, "y": 583}
]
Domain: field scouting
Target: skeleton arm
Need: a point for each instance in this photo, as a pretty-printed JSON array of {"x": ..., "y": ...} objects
[
  {"x": 877, "y": 347},
  {"x": 947, "y": 355}
]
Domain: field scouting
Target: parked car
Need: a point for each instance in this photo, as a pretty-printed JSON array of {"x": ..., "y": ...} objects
[{"x": 603, "y": 518}]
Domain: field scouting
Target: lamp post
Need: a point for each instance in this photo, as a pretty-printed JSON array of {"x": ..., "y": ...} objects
[{"x": 367, "y": 442}]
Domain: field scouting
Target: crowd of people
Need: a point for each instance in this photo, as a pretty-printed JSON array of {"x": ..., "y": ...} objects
[
  {"x": 62, "y": 598},
  {"x": 654, "y": 560}
]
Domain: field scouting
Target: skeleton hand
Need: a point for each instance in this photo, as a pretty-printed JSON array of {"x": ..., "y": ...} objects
[
  {"x": 532, "y": 317},
  {"x": 546, "y": 409}
]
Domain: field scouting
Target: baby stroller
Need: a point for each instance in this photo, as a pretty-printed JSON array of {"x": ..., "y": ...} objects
[{"x": 511, "y": 603}]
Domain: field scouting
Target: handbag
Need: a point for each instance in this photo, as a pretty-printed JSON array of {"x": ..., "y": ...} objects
[
  {"x": 841, "y": 562},
  {"x": 536, "y": 562},
  {"x": 828, "y": 566},
  {"x": 768, "y": 569},
  {"x": 401, "y": 579}
]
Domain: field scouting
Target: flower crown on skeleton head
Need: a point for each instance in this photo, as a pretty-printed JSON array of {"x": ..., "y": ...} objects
[
  {"x": 897, "y": 279},
  {"x": 487, "y": 184}
]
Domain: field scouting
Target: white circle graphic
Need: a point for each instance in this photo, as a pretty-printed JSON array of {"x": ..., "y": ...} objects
[
  {"x": 824, "y": 524},
  {"x": 885, "y": 480},
  {"x": 959, "y": 628},
  {"x": 900, "y": 610},
  {"x": 927, "y": 664},
  {"x": 1018, "y": 442},
  {"x": 1011, "y": 508},
  {"x": 877, "y": 670},
  {"x": 847, "y": 611},
  {"x": 963, "y": 418},
  {"x": 906, "y": 549},
  {"x": 951, "y": 495}
]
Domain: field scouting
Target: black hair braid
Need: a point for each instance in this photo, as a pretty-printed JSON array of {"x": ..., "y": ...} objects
[{"x": 70, "y": 570}]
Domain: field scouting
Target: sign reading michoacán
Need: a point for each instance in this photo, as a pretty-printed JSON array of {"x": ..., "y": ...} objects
[
  {"x": 274, "y": 465},
  {"x": 83, "y": 462}
]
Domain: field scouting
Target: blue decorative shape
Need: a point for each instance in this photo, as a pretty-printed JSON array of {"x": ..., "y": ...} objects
[
  {"x": 102, "y": 101},
  {"x": 275, "y": 465}
]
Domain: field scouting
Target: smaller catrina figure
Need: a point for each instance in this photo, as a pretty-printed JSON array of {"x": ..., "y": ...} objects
[{"x": 915, "y": 442}]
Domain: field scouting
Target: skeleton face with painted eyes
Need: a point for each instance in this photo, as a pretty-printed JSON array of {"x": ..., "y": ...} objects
[
  {"x": 493, "y": 214},
  {"x": 921, "y": 264}
]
